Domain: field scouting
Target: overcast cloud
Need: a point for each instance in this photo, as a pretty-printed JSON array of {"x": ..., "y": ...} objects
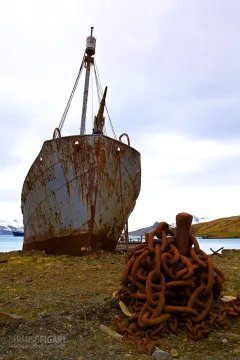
[{"x": 173, "y": 71}]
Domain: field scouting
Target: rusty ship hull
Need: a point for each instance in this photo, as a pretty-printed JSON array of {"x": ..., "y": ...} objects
[{"x": 79, "y": 194}]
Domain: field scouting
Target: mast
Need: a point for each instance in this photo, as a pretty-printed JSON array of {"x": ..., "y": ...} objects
[{"x": 88, "y": 61}]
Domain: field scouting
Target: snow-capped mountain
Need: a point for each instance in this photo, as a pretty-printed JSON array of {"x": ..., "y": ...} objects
[
  {"x": 196, "y": 220},
  {"x": 6, "y": 226}
]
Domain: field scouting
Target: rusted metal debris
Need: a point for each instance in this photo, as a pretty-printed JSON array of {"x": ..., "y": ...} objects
[
  {"x": 170, "y": 283},
  {"x": 217, "y": 251}
]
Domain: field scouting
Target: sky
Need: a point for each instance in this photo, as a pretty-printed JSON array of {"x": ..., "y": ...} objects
[{"x": 173, "y": 72}]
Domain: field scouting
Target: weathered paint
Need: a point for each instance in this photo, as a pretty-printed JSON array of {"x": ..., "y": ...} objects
[{"x": 79, "y": 193}]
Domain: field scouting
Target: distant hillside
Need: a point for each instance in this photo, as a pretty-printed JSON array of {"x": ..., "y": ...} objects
[
  {"x": 143, "y": 231},
  {"x": 224, "y": 227},
  {"x": 220, "y": 228}
]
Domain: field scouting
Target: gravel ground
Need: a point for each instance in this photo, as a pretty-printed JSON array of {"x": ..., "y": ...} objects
[{"x": 63, "y": 300}]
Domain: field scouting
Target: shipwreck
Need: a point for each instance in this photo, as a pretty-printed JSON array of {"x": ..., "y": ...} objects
[{"x": 81, "y": 189}]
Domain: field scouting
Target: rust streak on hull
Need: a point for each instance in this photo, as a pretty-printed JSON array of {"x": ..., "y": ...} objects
[{"x": 78, "y": 193}]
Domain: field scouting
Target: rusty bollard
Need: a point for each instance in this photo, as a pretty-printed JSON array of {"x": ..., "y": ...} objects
[{"x": 183, "y": 224}]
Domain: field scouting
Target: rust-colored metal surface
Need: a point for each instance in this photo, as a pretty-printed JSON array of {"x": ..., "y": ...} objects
[
  {"x": 79, "y": 193},
  {"x": 183, "y": 243},
  {"x": 166, "y": 291}
]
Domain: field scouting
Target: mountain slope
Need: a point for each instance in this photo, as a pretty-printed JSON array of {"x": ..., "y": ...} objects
[
  {"x": 223, "y": 227},
  {"x": 220, "y": 228},
  {"x": 142, "y": 231}
]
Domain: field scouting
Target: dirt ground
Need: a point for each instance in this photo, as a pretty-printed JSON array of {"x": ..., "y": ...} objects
[{"x": 63, "y": 300}]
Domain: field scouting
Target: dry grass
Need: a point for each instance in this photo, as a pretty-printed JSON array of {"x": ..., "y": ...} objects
[{"x": 73, "y": 296}]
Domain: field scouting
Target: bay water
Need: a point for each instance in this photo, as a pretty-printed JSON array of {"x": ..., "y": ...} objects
[
  {"x": 11, "y": 243},
  {"x": 215, "y": 244}
]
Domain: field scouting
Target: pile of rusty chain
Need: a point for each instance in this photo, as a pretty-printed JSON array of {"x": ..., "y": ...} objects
[{"x": 170, "y": 283}]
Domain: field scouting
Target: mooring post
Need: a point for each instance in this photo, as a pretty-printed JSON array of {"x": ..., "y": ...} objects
[{"x": 183, "y": 224}]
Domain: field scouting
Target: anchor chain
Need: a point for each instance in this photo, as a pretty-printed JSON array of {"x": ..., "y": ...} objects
[{"x": 169, "y": 283}]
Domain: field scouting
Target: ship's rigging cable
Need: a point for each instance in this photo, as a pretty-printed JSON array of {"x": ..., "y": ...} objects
[
  {"x": 91, "y": 74},
  {"x": 98, "y": 82},
  {"x": 98, "y": 86},
  {"x": 71, "y": 96},
  {"x": 99, "y": 94}
]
